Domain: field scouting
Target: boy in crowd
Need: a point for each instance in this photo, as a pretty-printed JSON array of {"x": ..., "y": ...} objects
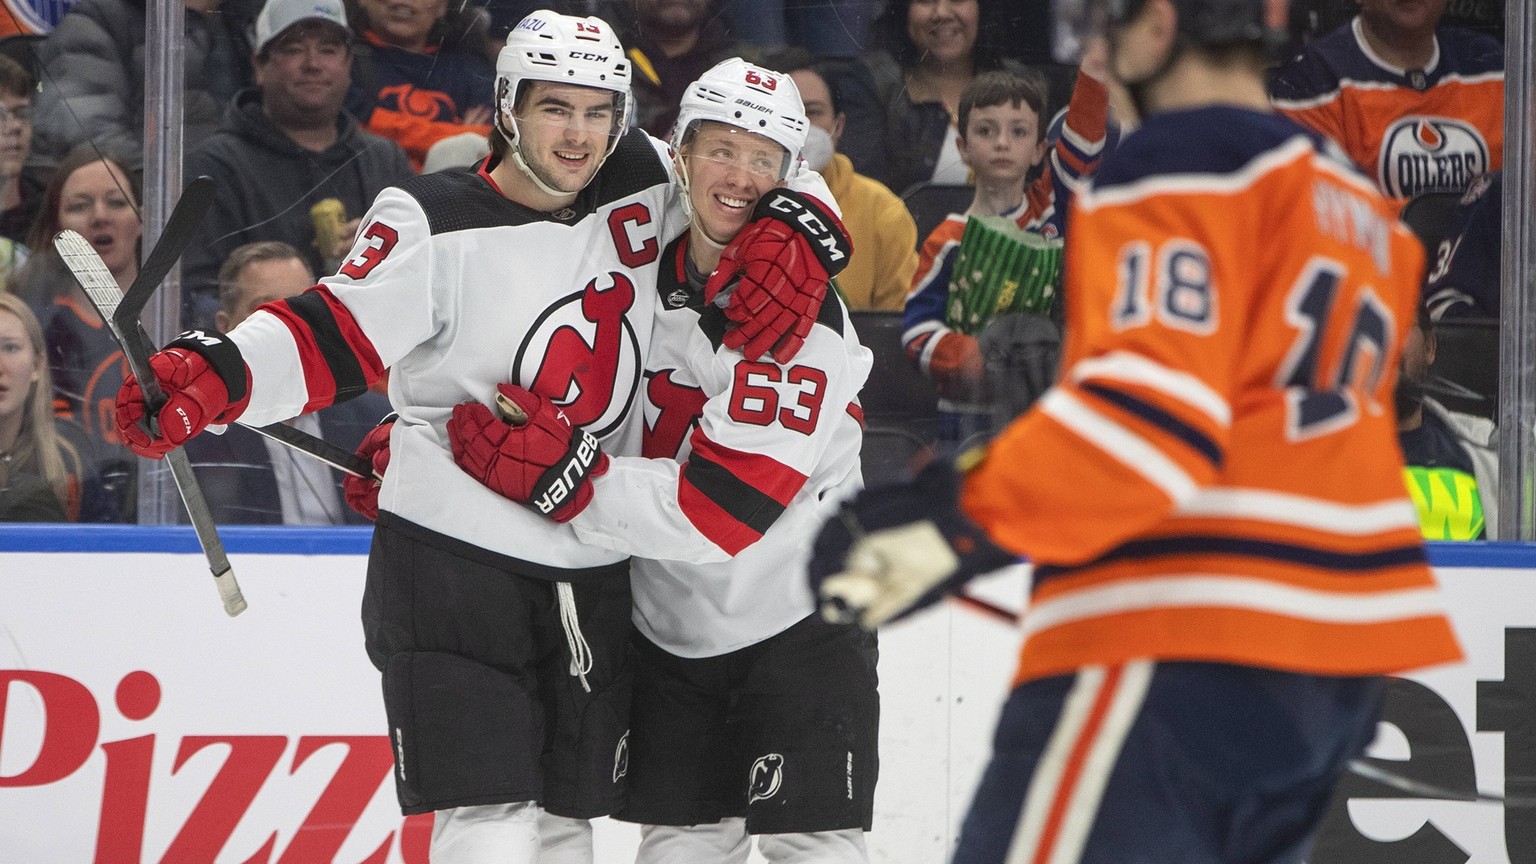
[{"x": 1002, "y": 124}]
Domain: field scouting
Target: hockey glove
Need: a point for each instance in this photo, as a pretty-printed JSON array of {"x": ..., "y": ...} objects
[
  {"x": 896, "y": 549},
  {"x": 362, "y": 493},
  {"x": 783, "y": 259},
  {"x": 205, "y": 382},
  {"x": 530, "y": 454}
]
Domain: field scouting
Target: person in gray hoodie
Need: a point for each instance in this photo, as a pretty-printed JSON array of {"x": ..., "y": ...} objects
[
  {"x": 93, "y": 76},
  {"x": 288, "y": 162}
]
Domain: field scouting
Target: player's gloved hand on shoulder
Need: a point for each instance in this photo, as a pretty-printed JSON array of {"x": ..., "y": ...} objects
[
  {"x": 783, "y": 258},
  {"x": 896, "y": 549},
  {"x": 205, "y": 381},
  {"x": 530, "y": 454},
  {"x": 362, "y": 493}
]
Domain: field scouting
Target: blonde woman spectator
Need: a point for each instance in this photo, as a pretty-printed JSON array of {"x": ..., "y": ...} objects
[{"x": 46, "y": 474}]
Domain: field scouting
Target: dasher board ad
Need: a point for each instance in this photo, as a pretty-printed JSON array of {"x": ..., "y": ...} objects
[{"x": 141, "y": 725}]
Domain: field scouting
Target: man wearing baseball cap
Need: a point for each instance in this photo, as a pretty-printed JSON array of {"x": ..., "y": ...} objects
[{"x": 290, "y": 164}]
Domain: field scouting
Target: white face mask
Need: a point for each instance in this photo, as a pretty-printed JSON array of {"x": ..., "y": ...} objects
[{"x": 817, "y": 151}]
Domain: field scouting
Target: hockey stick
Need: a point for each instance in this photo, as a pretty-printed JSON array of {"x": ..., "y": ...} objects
[{"x": 117, "y": 308}]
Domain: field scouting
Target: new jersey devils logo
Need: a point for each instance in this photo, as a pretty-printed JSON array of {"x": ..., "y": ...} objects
[
  {"x": 767, "y": 777},
  {"x": 583, "y": 354}
]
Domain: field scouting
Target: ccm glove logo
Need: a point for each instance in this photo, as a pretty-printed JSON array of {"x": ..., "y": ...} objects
[{"x": 811, "y": 221}]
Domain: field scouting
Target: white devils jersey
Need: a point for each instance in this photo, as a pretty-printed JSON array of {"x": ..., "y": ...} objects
[
  {"x": 747, "y": 460},
  {"x": 455, "y": 289}
]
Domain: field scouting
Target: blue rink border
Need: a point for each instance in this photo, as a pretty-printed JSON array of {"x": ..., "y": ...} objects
[
  {"x": 238, "y": 539},
  {"x": 354, "y": 540}
]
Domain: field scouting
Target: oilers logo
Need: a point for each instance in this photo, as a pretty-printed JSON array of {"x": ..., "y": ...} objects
[
  {"x": 1430, "y": 154},
  {"x": 583, "y": 354},
  {"x": 766, "y": 777}
]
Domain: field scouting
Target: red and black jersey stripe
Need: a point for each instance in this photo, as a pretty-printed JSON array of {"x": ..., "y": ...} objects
[
  {"x": 733, "y": 497},
  {"x": 339, "y": 361}
]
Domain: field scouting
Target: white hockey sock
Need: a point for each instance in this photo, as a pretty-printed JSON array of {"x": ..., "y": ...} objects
[
  {"x": 724, "y": 842},
  {"x": 563, "y": 840},
  {"x": 486, "y": 834},
  {"x": 821, "y": 847}
]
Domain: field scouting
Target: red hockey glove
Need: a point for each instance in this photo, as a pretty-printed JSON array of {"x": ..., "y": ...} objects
[
  {"x": 362, "y": 493},
  {"x": 205, "y": 381},
  {"x": 531, "y": 454},
  {"x": 783, "y": 259},
  {"x": 956, "y": 366}
]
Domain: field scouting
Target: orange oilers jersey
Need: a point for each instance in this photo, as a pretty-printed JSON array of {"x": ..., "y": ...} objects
[
  {"x": 1412, "y": 131},
  {"x": 1215, "y": 476}
]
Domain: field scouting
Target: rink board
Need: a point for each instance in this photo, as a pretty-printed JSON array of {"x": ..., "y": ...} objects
[{"x": 138, "y": 723}]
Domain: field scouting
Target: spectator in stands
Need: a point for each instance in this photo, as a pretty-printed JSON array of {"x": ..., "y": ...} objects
[
  {"x": 826, "y": 28},
  {"x": 245, "y": 477},
  {"x": 1418, "y": 107},
  {"x": 99, "y": 198},
  {"x": 93, "y": 66},
  {"x": 1452, "y": 458},
  {"x": 1002, "y": 115},
  {"x": 21, "y": 193},
  {"x": 424, "y": 76},
  {"x": 670, "y": 44},
  {"x": 901, "y": 99},
  {"x": 289, "y": 163},
  {"x": 883, "y": 233},
  {"x": 46, "y": 470},
  {"x": 1464, "y": 271}
]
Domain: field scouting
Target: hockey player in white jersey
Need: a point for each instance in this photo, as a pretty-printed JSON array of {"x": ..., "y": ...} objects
[
  {"x": 502, "y": 638},
  {"x": 752, "y": 715}
]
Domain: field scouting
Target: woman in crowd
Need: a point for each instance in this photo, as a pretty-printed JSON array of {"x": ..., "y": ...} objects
[
  {"x": 421, "y": 74},
  {"x": 901, "y": 99},
  {"x": 45, "y": 467},
  {"x": 96, "y": 196}
]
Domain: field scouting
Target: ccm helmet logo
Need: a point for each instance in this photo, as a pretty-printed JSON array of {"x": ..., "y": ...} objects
[{"x": 586, "y": 55}]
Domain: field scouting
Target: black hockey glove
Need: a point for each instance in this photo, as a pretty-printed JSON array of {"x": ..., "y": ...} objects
[{"x": 899, "y": 548}]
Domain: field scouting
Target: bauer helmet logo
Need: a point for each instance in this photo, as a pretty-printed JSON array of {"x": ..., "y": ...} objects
[{"x": 766, "y": 777}]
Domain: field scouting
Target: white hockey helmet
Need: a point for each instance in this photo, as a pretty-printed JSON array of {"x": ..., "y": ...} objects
[
  {"x": 749, "y": 97},
  {"x": 564, "y": 49}
]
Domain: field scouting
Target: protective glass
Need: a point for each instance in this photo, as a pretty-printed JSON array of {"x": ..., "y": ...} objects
[{"x": 1078, "y": 21}]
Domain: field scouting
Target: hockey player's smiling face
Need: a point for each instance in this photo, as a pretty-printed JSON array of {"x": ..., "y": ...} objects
[
  {"x": 728, "y": 170},
  {"x": 563, "y": 132},
  {"x": 95, "y": 202}
]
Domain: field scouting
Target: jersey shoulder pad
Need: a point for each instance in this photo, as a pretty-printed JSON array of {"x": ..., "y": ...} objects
[
  {"x": 463, "y": 201},
  {"x": 1213, "y": 141},
  {"x": 635, "y": 165}
]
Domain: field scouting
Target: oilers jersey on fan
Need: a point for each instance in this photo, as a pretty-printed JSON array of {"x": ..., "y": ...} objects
[
  {"x": 455, "y": 289},
  {"x": 748, "y": 458},
  {"x": 1412, "y": 130},
  {"x": 1072, "y": 158},
  {"x": 1215, "y": 475}
]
